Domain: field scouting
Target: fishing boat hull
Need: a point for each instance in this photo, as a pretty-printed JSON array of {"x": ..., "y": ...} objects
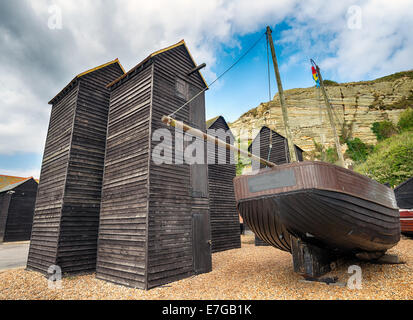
[{"x": 319, "y": 203}]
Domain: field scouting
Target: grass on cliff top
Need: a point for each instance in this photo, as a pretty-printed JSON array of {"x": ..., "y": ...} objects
[
  {"x": 391, "y": 161},
  {"x": 395, "y": 76}
]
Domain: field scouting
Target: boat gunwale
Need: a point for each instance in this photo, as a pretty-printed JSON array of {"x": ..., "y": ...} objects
[{"x": 242, "y": 192}]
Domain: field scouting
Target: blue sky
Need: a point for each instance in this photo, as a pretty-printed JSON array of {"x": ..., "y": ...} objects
[
  {"x": 246, "y": 85},
  {"x": 45, "y": 43}
]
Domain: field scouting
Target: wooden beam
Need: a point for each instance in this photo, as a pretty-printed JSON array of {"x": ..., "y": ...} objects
[
  {"x": 201, "y": 66},
  {"x": 206, "y": 137}
]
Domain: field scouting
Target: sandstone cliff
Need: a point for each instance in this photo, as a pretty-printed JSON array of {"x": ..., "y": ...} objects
[{"x": 356, "y": 107}]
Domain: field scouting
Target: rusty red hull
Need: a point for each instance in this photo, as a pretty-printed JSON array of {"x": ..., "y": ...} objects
[{"x": 320, "y": 203}]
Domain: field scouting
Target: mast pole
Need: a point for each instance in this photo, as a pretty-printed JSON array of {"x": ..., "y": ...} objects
[
  {"x": 330, "y": 116},
  {"x": 291, "y": 146}
]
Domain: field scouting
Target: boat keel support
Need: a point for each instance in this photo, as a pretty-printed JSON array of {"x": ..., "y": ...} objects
[{"x": 309, "y": 260}]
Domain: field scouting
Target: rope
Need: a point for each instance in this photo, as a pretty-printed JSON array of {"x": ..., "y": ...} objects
[{"x": 219, "y": 77}]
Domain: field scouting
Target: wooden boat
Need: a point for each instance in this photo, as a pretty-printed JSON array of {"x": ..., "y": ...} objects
[
  {"x": 314, "y": 210},
  {"x": 327, "y": 206},
  {"x": 320, "y": 203}
]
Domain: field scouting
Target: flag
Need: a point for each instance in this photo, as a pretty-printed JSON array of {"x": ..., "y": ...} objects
[{"x": 315, "y": 77}]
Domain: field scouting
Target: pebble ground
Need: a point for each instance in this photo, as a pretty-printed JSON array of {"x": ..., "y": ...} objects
[{"x": 248, "y": 273}]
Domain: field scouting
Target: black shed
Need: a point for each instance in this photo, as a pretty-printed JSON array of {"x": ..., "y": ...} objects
[
  {"x": 154, "y": 219},
  {"x": 66, "y": 218},
  {"x": 276, "y": 152},
  {"x": 225, "y": 225},
  {"x": 404, "y": 194},
  {"x": 16, "y": 210}
]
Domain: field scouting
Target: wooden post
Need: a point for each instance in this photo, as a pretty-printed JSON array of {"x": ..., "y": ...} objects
[
  {"x": 291, "y": 146},
  {"x": 309, "y": 260},
  {"x": 206, "y": 137},
  {"x": 330, "y": 116}
]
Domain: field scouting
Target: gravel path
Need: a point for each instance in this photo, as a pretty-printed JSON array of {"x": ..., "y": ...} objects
[{"x": 247, "y": 273}]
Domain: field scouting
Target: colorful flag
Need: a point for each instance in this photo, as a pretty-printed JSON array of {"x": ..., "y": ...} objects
[{"x": 315, "y": 77}]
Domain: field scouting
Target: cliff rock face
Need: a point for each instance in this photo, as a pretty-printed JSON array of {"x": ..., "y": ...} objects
[{"x": 356, "y": 107}]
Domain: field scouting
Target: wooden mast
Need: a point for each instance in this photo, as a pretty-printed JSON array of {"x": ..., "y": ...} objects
[
  {"x": 291, "y": 146},
  {"x": 330, "y": 116}
]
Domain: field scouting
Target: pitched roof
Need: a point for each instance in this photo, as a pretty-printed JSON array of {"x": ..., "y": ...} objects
[
  {"x": 265, "y": 127},
  {"x": 403, "y": 183},
  {"x": 7, "y": 180},
  {"x": 210, "y": 122},
  {"x": 11, "y": 186},
  {"x": 180, "y": 43},
  {"x": 71, "y": 83}
]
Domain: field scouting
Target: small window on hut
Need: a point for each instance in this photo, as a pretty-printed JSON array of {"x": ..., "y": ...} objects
[{"x": 181, "y": 89}]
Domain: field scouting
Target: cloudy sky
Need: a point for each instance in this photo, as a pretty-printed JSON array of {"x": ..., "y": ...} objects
[{"x": 44, "y": 44}]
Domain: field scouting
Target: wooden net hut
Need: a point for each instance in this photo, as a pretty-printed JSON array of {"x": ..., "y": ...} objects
[
  {"x": 154, "y": 220},
  {"x": 225, "y": 224},
  {"x": 404, "y": 198},
  {"x": 404, "y": 194},
  {"x": 272, "y": 146},
  {"x": 16, "y": 209},
  {"x": 66, "y": 218}
]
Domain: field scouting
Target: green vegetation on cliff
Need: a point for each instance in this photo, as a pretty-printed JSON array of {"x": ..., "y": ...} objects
[
  {"x": 395, "y": 76},
  {"x": 391, "y": 161}
]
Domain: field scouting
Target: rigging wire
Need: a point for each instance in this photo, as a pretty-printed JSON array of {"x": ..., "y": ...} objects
[{"x": 220, "y": 76}]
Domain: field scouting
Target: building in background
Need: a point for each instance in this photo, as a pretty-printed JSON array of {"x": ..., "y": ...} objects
[
  {"x": 272, "y": 146},
  {"x": 404, "y": 197},
  {"x": 225, "y": 223},
  {"x": 17, "y": 199}
]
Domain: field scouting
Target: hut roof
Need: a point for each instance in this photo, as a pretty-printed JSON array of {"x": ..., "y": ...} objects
[
  {"x": 75, "y": 79},
  {"x": 7, "y": 180},
  {"x": 265, "y": 127},
  {"x": 211, "y": 122},
  {"x": 152, "y": 55},
  {"x": 410, "y": 180},
  {"x": 11, "y": 186}
]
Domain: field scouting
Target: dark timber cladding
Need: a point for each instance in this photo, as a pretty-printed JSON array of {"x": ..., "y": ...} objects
[
  {"x": 277, "y": 153},
  {"x": 404, "y": 194},
  {"x": 16, "y": 210},
  {"x": 225, "y": 225},
  {"x": 154, "y": 221},
  {"x": 66, "y": 219}
]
